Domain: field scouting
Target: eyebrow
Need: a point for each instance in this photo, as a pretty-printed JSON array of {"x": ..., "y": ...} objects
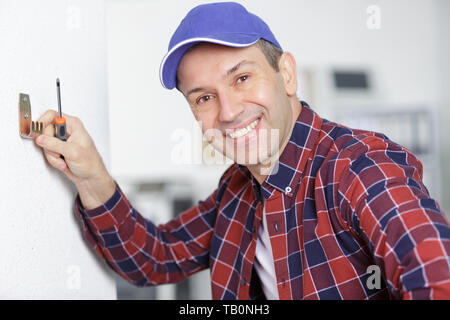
[
  {"x": 194, "y": 90},
  {"x": 227, "y": 74},
  {"x": 236, "y": 67}
]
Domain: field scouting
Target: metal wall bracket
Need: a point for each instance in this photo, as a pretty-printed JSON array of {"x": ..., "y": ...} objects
[{"x": 28, "y": 128}]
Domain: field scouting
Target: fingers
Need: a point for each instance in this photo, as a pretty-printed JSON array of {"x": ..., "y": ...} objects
[
  {"x": 53, "y": 149},
  {"x": 48, "y": 117},
  {"x": 48, "y": 120},
  {"x": 56, "y": 161},
  {"x": 74, "y": 150},
  {"x": 53, "y": 145},
  {"x": 54, "y": 154},
  {"x": 49, "y": 129}
]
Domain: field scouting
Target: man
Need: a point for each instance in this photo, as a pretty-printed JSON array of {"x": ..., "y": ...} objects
[{"x": 309, "y": 210}]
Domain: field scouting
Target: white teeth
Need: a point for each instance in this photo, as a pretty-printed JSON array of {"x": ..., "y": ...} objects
[{"x": 243, "y": 131}]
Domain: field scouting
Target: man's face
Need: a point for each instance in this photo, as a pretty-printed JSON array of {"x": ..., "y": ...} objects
[{"x": 239, "y": 99}]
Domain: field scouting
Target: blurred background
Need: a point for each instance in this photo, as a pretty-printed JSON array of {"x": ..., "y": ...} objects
[{"x": 378, "y": 65}]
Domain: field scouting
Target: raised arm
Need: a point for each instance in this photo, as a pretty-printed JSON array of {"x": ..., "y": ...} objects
[{"x": 382, "y": 198}]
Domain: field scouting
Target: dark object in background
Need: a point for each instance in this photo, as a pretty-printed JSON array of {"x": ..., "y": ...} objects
[{"x": 351, "y": 80}]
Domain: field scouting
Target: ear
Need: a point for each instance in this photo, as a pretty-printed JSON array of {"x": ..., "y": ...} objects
[{"x": 288, "y": 70}]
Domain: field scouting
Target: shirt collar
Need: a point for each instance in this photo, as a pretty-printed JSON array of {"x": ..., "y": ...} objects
[{"x": 290, "y": 166}]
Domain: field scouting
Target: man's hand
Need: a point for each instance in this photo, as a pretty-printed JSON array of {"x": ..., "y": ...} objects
[{"x": 82, "y": 163}]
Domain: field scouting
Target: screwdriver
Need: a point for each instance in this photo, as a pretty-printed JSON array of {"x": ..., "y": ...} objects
[{"x": 61, "y": 132}]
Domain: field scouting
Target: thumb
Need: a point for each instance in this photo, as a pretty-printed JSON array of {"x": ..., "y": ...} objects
[{"x": 52, "y": 144}]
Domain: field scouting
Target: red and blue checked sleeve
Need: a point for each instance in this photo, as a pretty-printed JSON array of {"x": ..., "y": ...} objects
[
  {"x": 382, "y": 200},
  {"x": 142, "y": 252}
]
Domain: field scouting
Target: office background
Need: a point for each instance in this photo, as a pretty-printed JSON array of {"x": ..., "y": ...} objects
[{"x": 378, "y": 65}]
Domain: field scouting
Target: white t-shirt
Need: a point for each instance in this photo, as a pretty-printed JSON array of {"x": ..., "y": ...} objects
[{"x": 264, "y": 264}]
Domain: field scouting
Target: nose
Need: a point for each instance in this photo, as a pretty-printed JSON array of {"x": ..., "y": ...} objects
[{"x": 230, "y": 107}]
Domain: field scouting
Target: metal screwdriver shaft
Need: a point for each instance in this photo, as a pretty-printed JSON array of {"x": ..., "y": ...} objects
[
  {"x": 58, "y": 91},
  {"x": 60, "y": 121}
]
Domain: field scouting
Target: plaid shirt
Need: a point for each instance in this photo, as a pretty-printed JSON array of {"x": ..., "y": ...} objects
[{"x": 341, "y": 202}]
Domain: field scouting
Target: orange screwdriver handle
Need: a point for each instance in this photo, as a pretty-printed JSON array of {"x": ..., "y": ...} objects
[{"x": 61, "y": 131}]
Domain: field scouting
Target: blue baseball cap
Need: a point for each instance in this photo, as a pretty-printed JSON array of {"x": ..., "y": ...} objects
[{"x": 224, "y": 23}]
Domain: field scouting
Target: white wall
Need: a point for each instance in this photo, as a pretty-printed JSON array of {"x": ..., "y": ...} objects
[{"x": 43, "y": 253}]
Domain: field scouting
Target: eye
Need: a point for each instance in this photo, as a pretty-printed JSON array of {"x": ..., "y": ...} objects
[
  {"x": 242, "y": 78},
  {"x": 203, "y": 99}
]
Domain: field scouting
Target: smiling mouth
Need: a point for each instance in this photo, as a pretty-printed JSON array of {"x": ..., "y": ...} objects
[{"x": 243, "y": 131}]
